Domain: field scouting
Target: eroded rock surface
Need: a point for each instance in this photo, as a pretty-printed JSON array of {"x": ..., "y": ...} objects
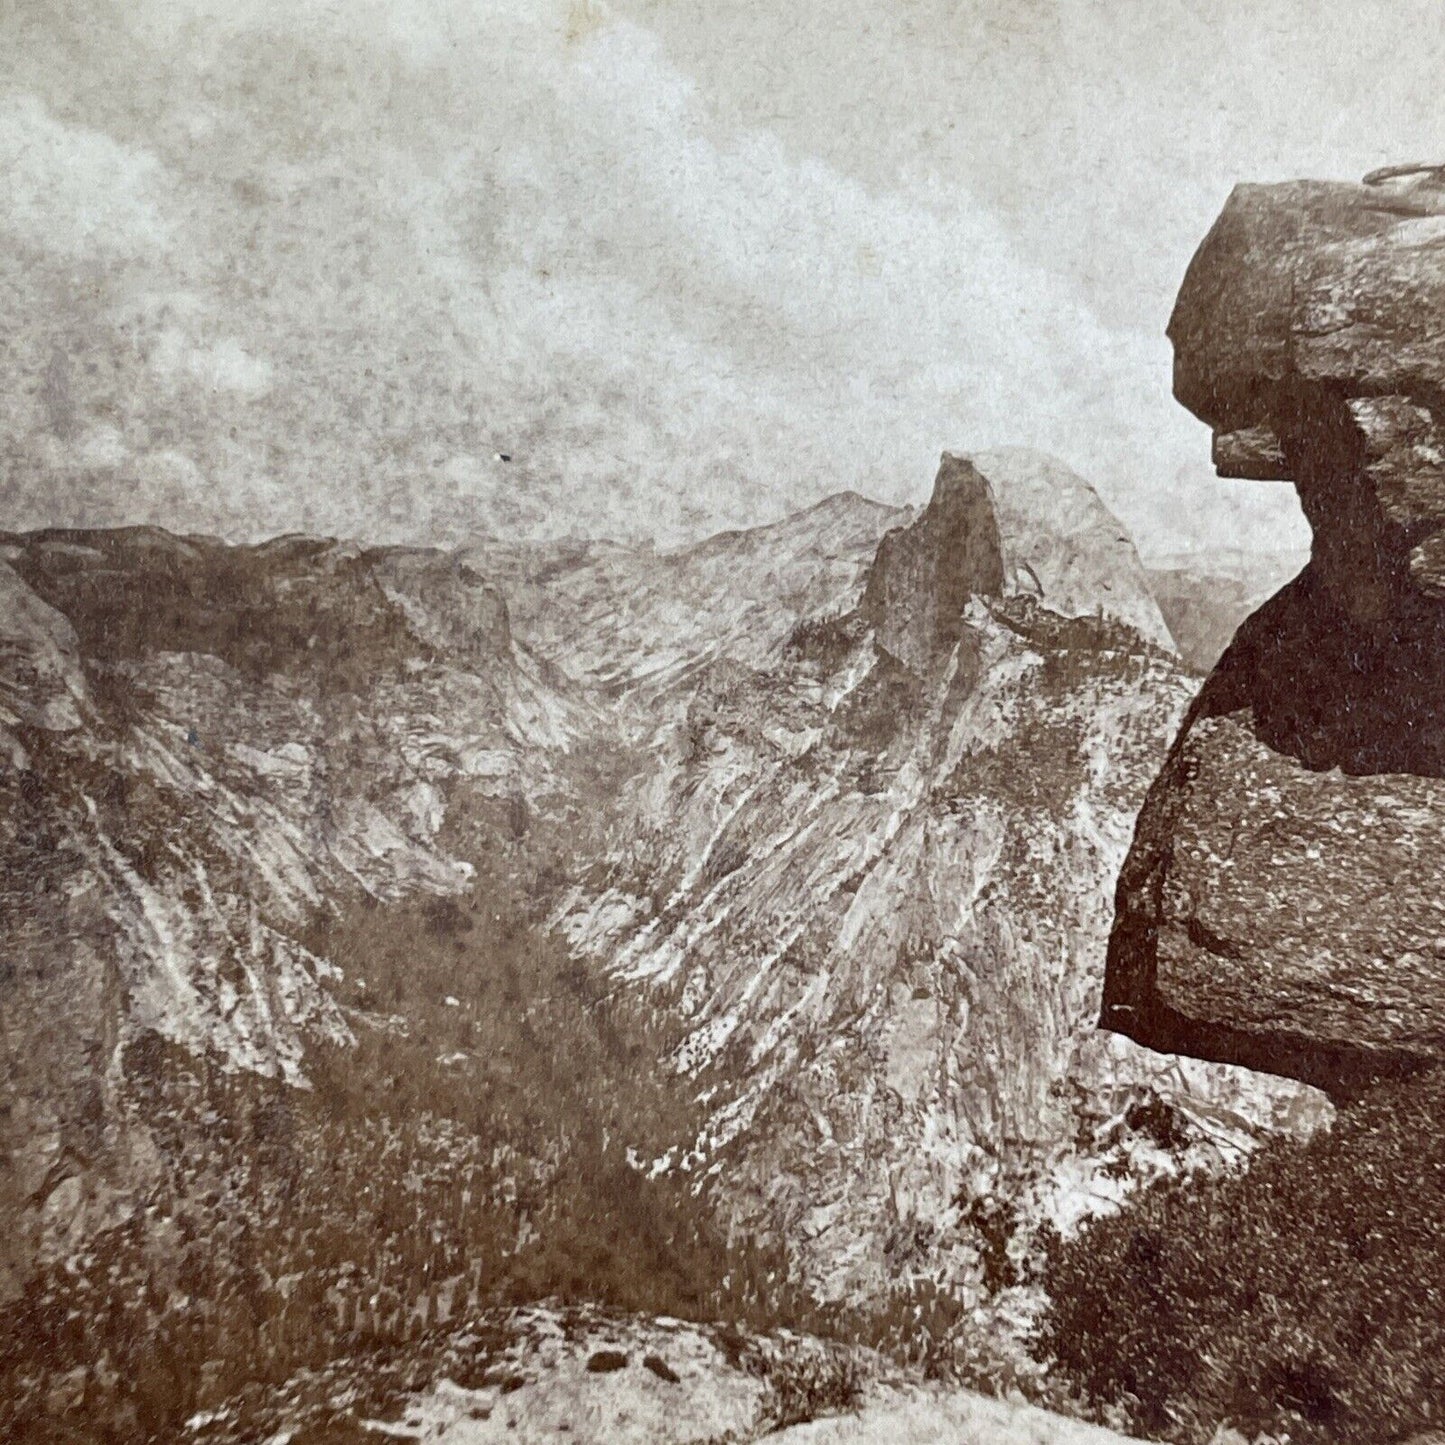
[
  {"x": 1280, "y": 906},
  {"x": 874, "y": 874},
  {"x": 924, "y": 575}
]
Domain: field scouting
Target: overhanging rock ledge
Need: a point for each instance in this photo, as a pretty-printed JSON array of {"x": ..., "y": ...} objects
[{"x": 1281, "y": 906}]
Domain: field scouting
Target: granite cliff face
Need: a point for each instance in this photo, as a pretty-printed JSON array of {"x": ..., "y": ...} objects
[
  {"x": 207, "y": 755},
  {"x": 870, "y": 868},
  {"x": 924, "y": 575},
  {"x": 1280, "y": 906},
  {"x": 1062, "y": 544}
]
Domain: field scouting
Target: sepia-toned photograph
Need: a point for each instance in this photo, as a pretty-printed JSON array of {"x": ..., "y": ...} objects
[{"x": 722, "y": 722}]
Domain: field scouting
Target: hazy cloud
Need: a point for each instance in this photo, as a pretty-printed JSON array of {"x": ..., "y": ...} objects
[
  {"x": 74, "y": 191},
  {"x": 222, "y": 366},
  {"x": 690, "y": 266}
]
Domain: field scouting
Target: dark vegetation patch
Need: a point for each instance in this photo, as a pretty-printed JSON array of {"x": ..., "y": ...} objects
[
  {"x": 1041, "y": 768},
  {"x": 826, "y": 642},
  {"x": 1079, "y": 651},
  {"x": 1160, "y": 1121},
  {"x": 810, "y": 1384},
  {"x": 994, "y": 1223},
  {"x": 469, "y": 1153},
  {"x": 727, "y": 856},
  {"x": 1304, "y": 1297},
  {"x": 308, "y": 1258}
]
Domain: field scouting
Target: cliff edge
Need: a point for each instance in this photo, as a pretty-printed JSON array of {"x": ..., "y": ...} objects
[{"x": 1280, "y": 906}]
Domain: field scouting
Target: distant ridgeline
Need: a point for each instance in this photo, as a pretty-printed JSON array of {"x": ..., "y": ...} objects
[{"x": 377, "y": 919}]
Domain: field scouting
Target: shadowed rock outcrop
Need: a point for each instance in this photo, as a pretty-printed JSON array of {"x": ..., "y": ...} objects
[
  {"x": 1004, "y": 522},
  {"x": 924, "y": 574},
  {"x": 1280, "y": 906}
]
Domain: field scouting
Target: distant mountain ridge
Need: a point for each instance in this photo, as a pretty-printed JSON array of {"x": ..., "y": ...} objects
[
  {"x": 827, "y": 814},
  {"x": 1205, "y": 596},
  {"x": 618, "y": 617}
]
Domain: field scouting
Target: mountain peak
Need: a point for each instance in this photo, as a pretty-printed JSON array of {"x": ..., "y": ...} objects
[
  {"x": 1004, "y": 521},
  {"x": 1063, "y": 543},
  {"x": 925, "y": 573}
]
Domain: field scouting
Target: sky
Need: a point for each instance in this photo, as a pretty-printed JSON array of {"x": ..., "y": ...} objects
[{"x": 319, "y": 265}]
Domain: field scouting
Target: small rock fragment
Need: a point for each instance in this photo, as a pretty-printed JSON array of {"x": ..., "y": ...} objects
[{"x": 604, "y": 1362}]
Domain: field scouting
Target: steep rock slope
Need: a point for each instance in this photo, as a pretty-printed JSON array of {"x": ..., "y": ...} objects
[
  {"x": 1063, "y": 544},
  {"x": 1280, "y": 905},
  {"x": 923, "y": 576},
  {"x": 209, "y": 752},
  {"x": 627, "y": 618},
  {"x": 874, "y": 877}
]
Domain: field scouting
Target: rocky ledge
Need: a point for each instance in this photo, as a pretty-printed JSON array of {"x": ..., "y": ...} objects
[{"x": 1280, "y": 906}]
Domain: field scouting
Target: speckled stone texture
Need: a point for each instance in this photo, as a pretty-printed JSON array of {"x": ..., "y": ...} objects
[{"x": 1281, "y": 905}]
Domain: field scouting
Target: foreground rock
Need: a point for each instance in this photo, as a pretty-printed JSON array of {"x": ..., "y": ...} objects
[
  {"x": 1280, "y": 907},
  {"x": 545, "y": 1373},
  {"x": 927, "y": 1416}
]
